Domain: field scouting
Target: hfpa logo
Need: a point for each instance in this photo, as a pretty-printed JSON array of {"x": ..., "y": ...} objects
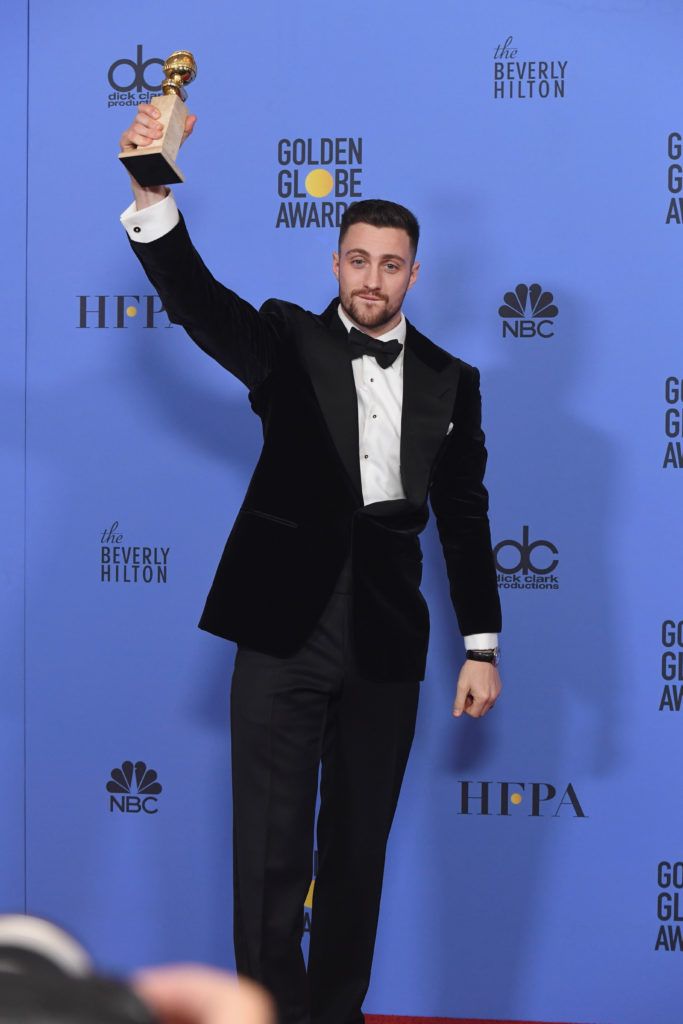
[
  {"x": 528, "y": 312},
  {"x": 134, "y": 788},
  {"x": 101, "y": 311},
  {"x": 540, "y": 799}
]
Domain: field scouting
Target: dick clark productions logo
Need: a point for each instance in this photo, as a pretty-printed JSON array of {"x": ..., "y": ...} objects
[
  {"x": 133, "y": 788},
  {"x": 526, "y": 564},
  {"x": 132, "y": 81},
  {"x": 528, "y": 312}
]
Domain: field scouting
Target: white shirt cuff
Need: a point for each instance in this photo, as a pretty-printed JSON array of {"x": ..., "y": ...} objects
[
  {"x": 153, "y": 222},
  {"x": 481, "y": 641}
]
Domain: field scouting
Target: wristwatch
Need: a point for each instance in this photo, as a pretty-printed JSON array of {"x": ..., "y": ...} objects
[{"x": 492, "y": 655}]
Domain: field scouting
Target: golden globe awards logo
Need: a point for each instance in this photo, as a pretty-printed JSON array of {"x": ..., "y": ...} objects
[
  {"x": 515, "y": 79},
  {"x": 134, "y": 81},
  {"x": 316, "y": 180},
  {"x": 530, "y": 799},
  {"x": 673, "y": 423},
  {"x": 671, "y": 664},
  {"x": 130, "y": 563},
  {"x": 669, "y": 907},
  {"x": 308, "y": 902},
  {"x": 674, "y": 150}
]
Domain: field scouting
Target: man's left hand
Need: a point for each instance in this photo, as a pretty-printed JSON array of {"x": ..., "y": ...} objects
[{"x": 478, "y": 689}]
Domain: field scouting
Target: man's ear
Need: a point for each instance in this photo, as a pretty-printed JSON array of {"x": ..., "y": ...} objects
[
  {"x": 335, "y": 264},
  {"x": 414, "y": 271}
]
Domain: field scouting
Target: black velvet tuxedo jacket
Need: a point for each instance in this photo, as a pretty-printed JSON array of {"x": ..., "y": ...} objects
[{"x": 303, "y": 512}]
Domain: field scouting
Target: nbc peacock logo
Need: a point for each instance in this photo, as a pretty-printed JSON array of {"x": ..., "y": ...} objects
[
  {"x": 528, "y": 312},
  {"x": 133, "y": 789}
]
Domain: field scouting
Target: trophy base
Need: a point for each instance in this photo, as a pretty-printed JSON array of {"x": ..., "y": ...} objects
[
  {"x": 155, "y": 164},
  {"x": 151, "y": 168}
]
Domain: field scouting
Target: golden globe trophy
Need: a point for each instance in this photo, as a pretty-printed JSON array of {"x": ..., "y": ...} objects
[{"x": 155, "y": 164}]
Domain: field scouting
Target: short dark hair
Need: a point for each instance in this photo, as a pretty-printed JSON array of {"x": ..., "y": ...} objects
[{"x": 380, "y": 213}]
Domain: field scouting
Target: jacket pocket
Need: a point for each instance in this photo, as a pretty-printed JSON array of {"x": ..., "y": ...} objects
[{"x": 272, "y": 518}]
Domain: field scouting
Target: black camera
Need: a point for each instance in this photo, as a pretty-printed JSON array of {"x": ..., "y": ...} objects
[{"x": 46, "y": 977}]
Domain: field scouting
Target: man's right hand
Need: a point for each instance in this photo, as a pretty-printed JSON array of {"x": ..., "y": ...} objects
[{"x": 145, "y": 130}]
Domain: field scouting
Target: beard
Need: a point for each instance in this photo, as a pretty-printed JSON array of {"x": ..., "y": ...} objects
[{"x": 372, "y": 315}]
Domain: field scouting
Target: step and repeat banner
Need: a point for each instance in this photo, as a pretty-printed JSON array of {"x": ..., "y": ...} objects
[
  {"x": 12, "y": 455},
  {"x": 536, "y": 863}
]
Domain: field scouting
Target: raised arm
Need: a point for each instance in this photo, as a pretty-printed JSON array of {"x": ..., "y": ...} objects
[{"x": 245, "y": 341}]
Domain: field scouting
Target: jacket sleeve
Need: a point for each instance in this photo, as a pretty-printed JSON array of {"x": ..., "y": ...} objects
[
  {"x": 244, "y": 340},
  {"x": 460, "y": 504}
]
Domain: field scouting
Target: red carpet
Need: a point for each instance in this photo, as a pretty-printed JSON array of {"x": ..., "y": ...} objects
[{"x": 449, "y": 1020}]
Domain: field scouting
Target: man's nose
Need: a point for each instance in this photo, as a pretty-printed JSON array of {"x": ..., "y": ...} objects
[{"x": 372, "y": 277}]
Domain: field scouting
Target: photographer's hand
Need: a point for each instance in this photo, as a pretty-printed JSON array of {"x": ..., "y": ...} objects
[{"x": 193, "y": 994}]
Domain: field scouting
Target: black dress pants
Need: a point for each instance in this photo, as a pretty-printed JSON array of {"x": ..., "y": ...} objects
[{"x": 291, "y": 717}]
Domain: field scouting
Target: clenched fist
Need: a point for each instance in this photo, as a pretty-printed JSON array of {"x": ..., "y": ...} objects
[{"x": 146, "y": 129}]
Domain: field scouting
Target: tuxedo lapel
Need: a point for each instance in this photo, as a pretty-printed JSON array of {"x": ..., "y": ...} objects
[
  {"x": 324, "y": 347},
  {"x": 430, "y": 381}
]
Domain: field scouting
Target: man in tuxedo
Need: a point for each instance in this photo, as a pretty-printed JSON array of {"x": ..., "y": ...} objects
[{"x": 364, "y": 421}]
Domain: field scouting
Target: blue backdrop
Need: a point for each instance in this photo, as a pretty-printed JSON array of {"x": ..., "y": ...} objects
[{"x": 538, "y": 144}]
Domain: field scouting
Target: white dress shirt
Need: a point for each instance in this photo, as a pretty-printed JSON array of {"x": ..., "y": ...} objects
[
  {"x": 379, "y": 391},
  {"x": 380, "y": 399}
]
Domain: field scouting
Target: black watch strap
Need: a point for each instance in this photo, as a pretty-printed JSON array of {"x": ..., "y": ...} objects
[{"x": 492, "y": 655}]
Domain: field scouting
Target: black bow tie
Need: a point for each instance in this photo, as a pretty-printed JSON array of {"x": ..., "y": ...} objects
[{"x": 363, "y": 345}]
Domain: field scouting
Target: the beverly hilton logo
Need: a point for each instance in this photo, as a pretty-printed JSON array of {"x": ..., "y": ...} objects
[
  {"x": 316, "y": 180},
  {"x": 130, "y": 563},
  {"x": 519, "y": 79},
  {"x": 528, "y": 312},
  {"x": 133, "y": 788}
]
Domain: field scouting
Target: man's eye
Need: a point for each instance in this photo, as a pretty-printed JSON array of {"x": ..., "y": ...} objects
[
  {"x": 357, "y": 261},
  {"x": 391, "y": 266}
]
